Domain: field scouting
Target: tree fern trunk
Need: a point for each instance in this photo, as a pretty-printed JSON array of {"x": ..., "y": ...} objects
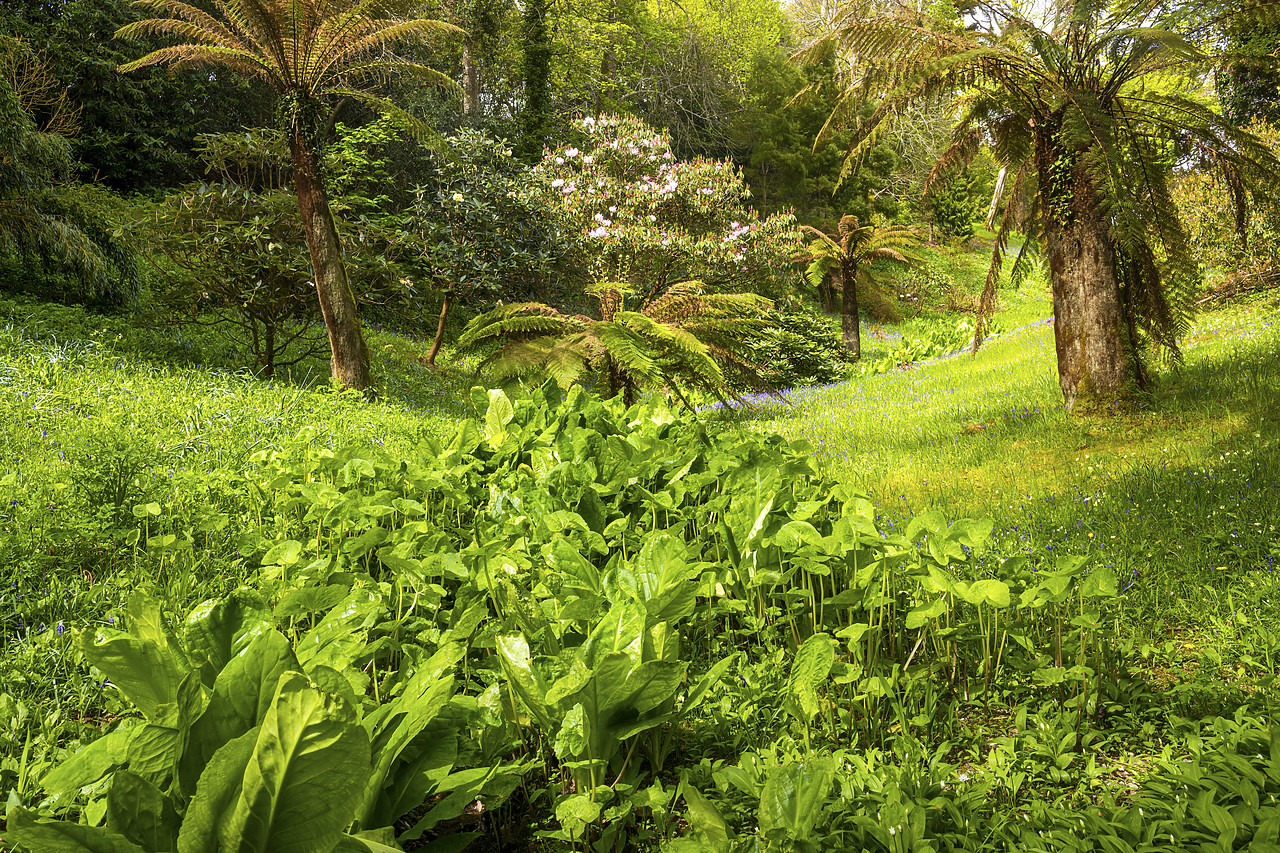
[
  {"x": 349, "y": 363},
  {"x": 849, "y": 325},
  {"x": 1095, "y": 369}
]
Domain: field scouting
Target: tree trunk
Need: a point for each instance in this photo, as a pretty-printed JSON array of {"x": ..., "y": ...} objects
[
  {"x": 444, "y": 315},
  {"x": 1095, "y": 367},
  {"x": 849, "y": 325},
  {"x": 470, "y": 80},
  {"x": 349, "y": 363},
  {"x": 995, "y": 199}
]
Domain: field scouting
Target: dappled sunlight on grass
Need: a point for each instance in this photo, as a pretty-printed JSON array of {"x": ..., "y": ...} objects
[{"x": 1179, "y": 496}]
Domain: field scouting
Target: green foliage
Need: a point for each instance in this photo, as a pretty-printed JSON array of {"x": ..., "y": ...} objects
[
  {"x": 136, "y": 134},
  {"x": 478, "y": 227},
  {"x": 42, "y": 223},
  {"x": 232, "y": 254},
  {"x": 249, "y": 740},
  {"x": 584, "y": 603},
  {"x": 680, "y": 336},
  {"x": 954, "y": 206},
  {"x": 800, "y": 347},
  {"x": 1236, "y": 256},
  {"x": 776, "y": 131},
  {"x": 1250, "y": 86},
  {"x": 1089, "y": 149}
]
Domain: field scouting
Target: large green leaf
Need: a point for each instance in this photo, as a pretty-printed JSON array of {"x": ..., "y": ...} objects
[
  {"x": 987, "y": 591},
  {"x": 513, "y": 653},
  {"x": 90, "y": 764},
  {"x": 138, "y": 810},
  {"x": 395, "y": 724},
  {"x": 307, "y": 772},
  {"x": 145, "y": 671},
  {"x": 216, "y": 793},
  {"x": 1099, "y": 583},
  {"x": 220, "y": 629},
  {"x": 621, "y": 630},
  {"x": 793, "y": 798},
  {"x": 60, "y": 836},
  {"x": 665, "y": 580},
  {"x": 926, "y": 612},
  {"x": 710, "y": 832},
  {"x": 156, "y": 750},
  {"x": 423, "y": 766},
  {"x": 242, "y": 694},
  {"x": 341, "y": 636},
  {"x": 809, "y": 670},
  {"x": 496, "y": 417}
]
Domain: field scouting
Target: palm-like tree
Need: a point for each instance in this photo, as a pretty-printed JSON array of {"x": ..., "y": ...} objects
[
  {"x": 307, "y": 51},
  {"x": 844, "y": 259},
  {"x": 1087, "y": 116},
  {"x": 682, "y": 335}
]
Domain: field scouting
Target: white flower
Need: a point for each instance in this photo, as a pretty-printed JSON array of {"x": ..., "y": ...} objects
[
  {"x": 560, "y": 161},
  {"x": 598, "y": 232},
  {"x": 572, "y": 152},
  {"x": 558, "y": 182},
  {"x": 588, "y": 159},
  {"x": 457, "y": 196}
]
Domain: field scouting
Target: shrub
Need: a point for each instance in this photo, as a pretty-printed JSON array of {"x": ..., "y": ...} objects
[{"x": 643, "y": 217}]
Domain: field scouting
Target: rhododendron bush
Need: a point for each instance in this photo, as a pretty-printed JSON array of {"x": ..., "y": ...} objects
[{"x": 645, "y": 218}]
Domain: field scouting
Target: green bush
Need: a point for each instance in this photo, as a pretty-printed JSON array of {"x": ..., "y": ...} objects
[{"x": 801, "y": 348}]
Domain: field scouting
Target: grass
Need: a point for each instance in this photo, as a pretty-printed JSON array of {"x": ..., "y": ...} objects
[
  {"x": 1180, "y": 496},
  {"x": 127, "y": 451}
]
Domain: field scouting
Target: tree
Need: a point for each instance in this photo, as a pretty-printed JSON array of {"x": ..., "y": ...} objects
[
  {"x": 1250, "y": 84},
  {"x": 680, "y": 334},
  {"x": 307, "y": 51},
  {"x": 1089, "y": 116},
  {"x": 846, "y": 256},
  {"x": 42, "y": 220},
  {"x": 137, "y": 133}
]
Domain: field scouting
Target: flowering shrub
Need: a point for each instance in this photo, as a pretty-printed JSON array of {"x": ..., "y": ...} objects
[{"x": 644, "y": 217}]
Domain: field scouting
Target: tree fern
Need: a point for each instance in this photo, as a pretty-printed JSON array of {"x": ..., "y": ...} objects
[
  {"x": 1088, "y": 111},
  {"x": 681, "y": 338}
]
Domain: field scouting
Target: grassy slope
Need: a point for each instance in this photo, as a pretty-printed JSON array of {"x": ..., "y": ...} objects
[{"x": 1182, "y": 496}]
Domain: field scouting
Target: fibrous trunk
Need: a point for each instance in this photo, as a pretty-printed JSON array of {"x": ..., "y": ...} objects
[
  {"x": 849, "y": 327},
  {"x": 1095, "y": 367},
  {"x": 349, "y": 362}
]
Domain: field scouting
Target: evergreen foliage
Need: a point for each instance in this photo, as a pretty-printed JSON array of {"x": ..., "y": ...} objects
[
  {"x": 307, "y": 52},
  {"x": 42, "y": 221},
  {"x": 842, "y": 261}
]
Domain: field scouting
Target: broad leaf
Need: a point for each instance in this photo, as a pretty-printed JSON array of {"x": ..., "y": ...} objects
[
  {"x": 60, "y": 836},
  {"x": 146, "y": 672},
  {"x": 90, "y": 764},
  {"x": 793, "y": 798},
  {"x": 809, "y": 670},
  {"x": 140, "y": 812},
  {"x": 218, "y": 630},
  {"x": 306, "y": 774}
]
